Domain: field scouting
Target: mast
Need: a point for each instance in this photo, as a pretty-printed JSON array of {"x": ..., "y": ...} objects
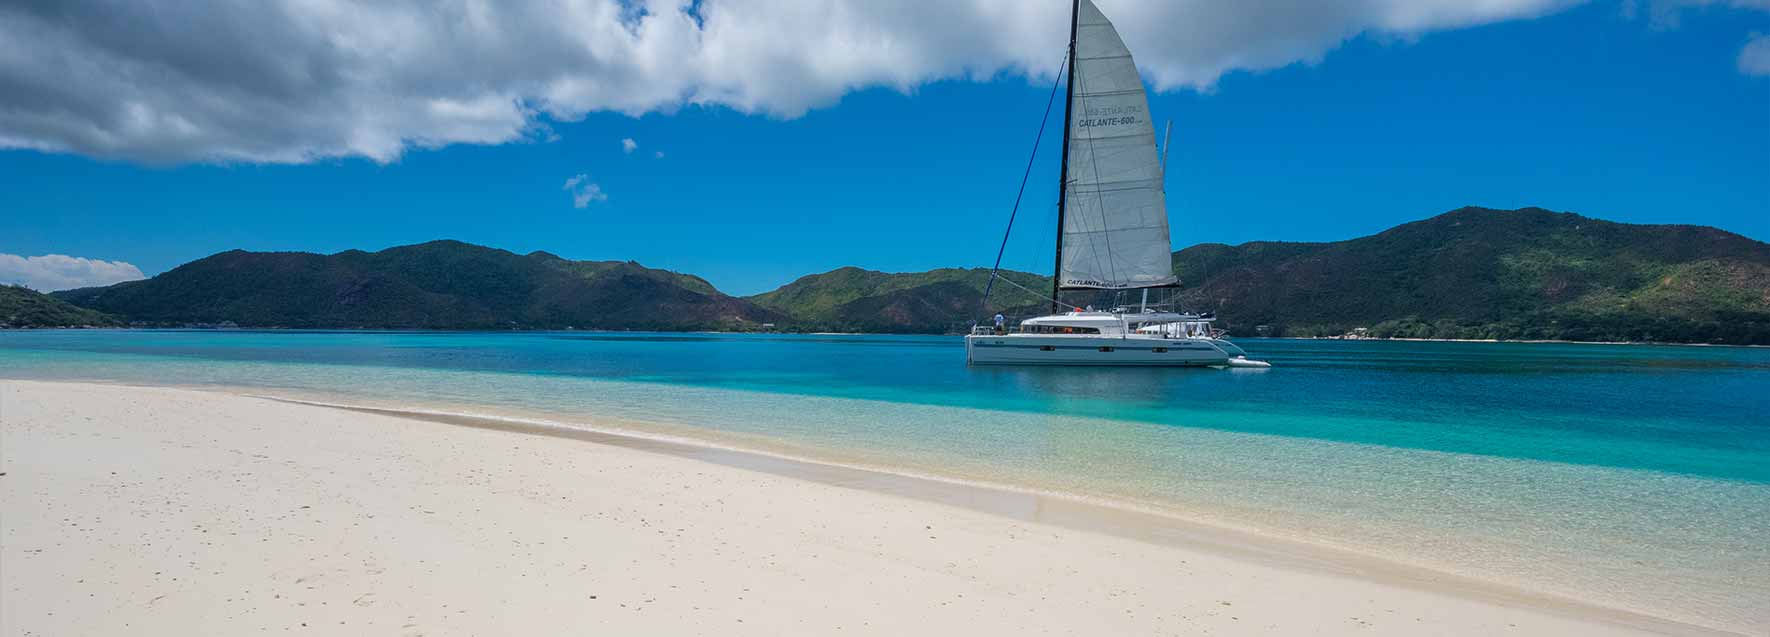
[{"x": 1069, "y": 93}]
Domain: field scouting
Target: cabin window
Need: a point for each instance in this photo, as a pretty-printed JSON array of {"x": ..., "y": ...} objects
[
  {"x": 1105, "y": 349},
  {"x": 1047, "y": 348},
  {"x": 1160, "y": 350},
  {"x": 1059, "y": 329}
]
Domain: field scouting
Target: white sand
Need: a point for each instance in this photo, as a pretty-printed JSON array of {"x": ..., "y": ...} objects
[{"x": 144, "y": 511}]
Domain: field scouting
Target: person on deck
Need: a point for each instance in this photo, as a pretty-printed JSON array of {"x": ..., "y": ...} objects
[{"x": 1001, "y": 324}]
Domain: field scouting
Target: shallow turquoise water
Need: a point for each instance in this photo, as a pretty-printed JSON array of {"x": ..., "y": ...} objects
[{"x": 1636, "y": 476}]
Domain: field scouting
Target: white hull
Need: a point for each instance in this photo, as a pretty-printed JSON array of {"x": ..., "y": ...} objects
[
  {"x": 1111, "y": 176},
  {"x": 1040, "y": 349},
  {"x": 1233, "y": 350}
]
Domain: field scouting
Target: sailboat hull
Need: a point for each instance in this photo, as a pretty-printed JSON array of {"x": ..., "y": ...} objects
[
  {"x": 1112, "y": 228},
  {"x": 1131, "y": 351}
]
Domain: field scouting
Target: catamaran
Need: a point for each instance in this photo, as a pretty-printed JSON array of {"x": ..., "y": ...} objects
[{"x": 1112, "y": 230}]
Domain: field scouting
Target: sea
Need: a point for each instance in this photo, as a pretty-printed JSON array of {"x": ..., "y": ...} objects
[{"x": 1632, "y": 476}]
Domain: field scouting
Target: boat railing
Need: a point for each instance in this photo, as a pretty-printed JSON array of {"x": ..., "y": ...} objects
[{"x": 985, "y": 330}]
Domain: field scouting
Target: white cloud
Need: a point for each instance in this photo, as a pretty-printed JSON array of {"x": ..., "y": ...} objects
[
  {"x": 52, "y": 272},
  {"x": 583, "y": 192},
  {"x": 1754, "y": 59},
  {"x": 628, "y": 145},
  {"x": 289, "y": 81}
]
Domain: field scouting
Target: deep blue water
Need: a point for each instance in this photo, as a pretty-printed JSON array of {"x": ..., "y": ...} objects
[{"x": 1633, "y": 475}]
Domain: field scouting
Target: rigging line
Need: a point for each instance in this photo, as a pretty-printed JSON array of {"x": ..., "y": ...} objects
[
  {"x": 1044, "y": 119},
  {"x": 1040, "y": 295}
]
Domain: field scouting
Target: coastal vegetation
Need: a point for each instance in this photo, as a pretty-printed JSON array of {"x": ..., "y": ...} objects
[
  {"x": 23, "y": 307},
  {"x": 855, "y": 300},
  {"x": 1471, "y": 273},
  {"x": 1490, "y": 274},
  {"x": 435, "y": 285}
]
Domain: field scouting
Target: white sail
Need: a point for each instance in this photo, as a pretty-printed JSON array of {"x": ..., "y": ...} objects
[{"x": 1115, "y": 226}]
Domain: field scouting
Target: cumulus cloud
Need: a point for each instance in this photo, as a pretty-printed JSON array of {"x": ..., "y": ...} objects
[
  {"x": 52, "y": 272},
  {"x": 628, "y": 145},
  {"x": 583, "y": 192},
  {"x": 289, "y": 81},
  {"x": 1754, "y": 59}
]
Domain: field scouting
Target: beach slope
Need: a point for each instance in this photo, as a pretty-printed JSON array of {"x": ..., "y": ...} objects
[{"x": 127, "y": 510}]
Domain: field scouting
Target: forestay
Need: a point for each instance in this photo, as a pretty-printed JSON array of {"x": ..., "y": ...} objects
[{"x": 1115, "y": 227}]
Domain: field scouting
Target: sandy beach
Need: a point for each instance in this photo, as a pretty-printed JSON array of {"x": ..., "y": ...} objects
[{"x": 130, "y": 510}]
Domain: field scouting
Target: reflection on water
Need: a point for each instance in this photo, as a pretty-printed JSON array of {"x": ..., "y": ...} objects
[{"x": 1125, "y": 385}]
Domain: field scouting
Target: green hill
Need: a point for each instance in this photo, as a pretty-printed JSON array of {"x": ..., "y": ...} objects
[
  {"x": 1480, "y": 273},
  {"x": 1469, "y": 273},
  {"x": 24, "y": 307},
  {"x": 436, "y": 285},
  {"x": 855, "y": 300}
]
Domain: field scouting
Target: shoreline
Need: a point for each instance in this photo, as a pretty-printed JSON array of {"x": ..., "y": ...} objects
[
  {"x": 1022, "y": 506},
  {"x": 396, "y": 330},
  {"x": 1128, "y": 520},
  {"x": 1495, "y": 340}
]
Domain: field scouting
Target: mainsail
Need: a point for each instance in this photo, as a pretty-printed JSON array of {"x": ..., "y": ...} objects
[{"x": 1115, "y": 221}]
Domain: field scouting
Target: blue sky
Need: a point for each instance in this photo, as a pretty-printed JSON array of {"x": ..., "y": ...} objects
[{"x": 1592, "y": 109}]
